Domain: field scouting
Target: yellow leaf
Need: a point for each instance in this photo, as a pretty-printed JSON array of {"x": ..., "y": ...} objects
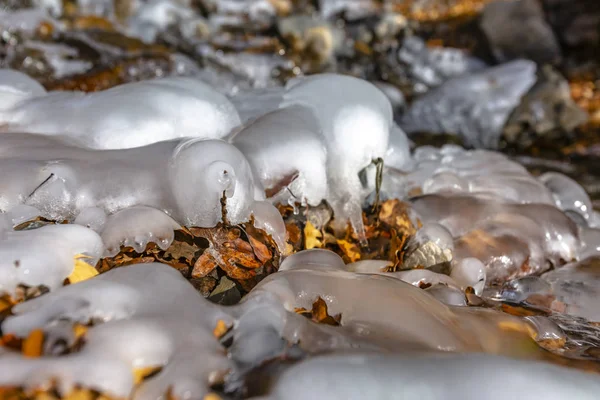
[
  {"x": 349, "y": 249},
  {"x": 79, "y": 394},
  {"x": 220, "y": 329},
  {"x": 79, "y": 330},
  {"x": 82, "y": 270},
  {"x": 140, "y": 373},
  {"x": 32, "y": 346},
  {"x": 312, "y": 236},
  {"x": 212, "y": 396}
]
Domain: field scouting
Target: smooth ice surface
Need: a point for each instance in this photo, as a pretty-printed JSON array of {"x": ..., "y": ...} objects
[
  {"x": 355, "y": 119},
  {"x": 473, "y": 106},
  {"x": 184, "y": 178},
  {"x": 136, "y": 227},
  {"x": 125, "y": 116},
  {"x": 283, "y": 143},
  {"x": 452, "y": 169},
  {"x": 469, "y": 272},
  {"x": 409, "y": 318},
  {"x": 45, "y": 256},
  {"x": 267, "y": 217},
  {"x": 510, "y": 239},
  {"x": 148, "y": 316},
  {"x": 430, "y": 377},
  {"x": 91, "y": 217},
  {"x": 568, "y": 194}
]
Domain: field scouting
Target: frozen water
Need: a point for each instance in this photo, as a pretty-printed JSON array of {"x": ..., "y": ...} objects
[
  {"x": 184, "y": 178},
  {"x": 474, "y": 106},
  {"x": 125, "y": 116}
]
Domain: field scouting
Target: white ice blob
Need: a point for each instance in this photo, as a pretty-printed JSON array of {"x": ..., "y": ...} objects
[
  {"x": 283, "y": 143},
  {"x": 568, "y": 194},
  {"x": 220, "y": 170},
  {"x": 313, "y": 258},
  {"x": 91, "y": 217},
  {"x": 45, "y": 256},
  {"x": 184, "y": 178},
  {"x": 146, "y": 315},
  {"x": 126, "y": 116},
  {"x": 355, "y": 118},
  {"x": 16, "y": 87},
  {"x": 267, "y": 217},
  {"x": 136, "y": 227},
  {"x": 469, "y": 272},
  {"x": 432, "y": 377},
  {"x": 22, "y": 213}
]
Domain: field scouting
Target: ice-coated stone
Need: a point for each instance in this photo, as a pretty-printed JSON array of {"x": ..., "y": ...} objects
[
  {"x": 184, "y": 178},
  {"x": 45, "y": 256},
  {"x": 475, "y": 106},
  {"x": 431, "y": 377},
  {"x": 355, "y": 119},
  {"x": 136, "y": 227},
  {"x": 125, "y": 116},
  {"x": 281, "y": 144}
]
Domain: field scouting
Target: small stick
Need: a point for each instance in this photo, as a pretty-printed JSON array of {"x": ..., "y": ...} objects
[{"x": 224, "y": 209}]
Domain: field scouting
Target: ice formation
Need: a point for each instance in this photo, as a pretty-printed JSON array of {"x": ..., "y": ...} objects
[
  {"x": 147, "y": 315},
  {"x": 433, "y": 66},
  {"x": 355, "y": 119},
  {"x": 184, "y": 178},
  {"x": 474, "y": 106},
  {"x": 433, "y": 325},
  {"x": 281, "y": 144},
  {"x": 125, "y": 116},
  {"x": 510, "y": 239},
  {"x": 431, "y": 377},
  {"x": 45, "y": 256},
  {"x": 136, "y": 227}
]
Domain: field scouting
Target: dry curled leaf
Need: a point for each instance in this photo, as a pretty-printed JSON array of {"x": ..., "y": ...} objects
[{"x": 319, "y": 313}]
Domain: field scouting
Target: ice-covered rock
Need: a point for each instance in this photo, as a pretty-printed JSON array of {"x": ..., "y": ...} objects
[
  {"x": 355, "y": 119},
  {"x": 510, "y": 239},
  {"x": 125, "y": 116},
  {"x": 184, "y": 178},
  {"x": 433, "y": 66},
  {"x": 45, "y": 256},
  {"x": 136, "y": 227},
  {"x": 474, "y": 106},
  {"x": 432, "y": 377},
  {"x": 146, "y": 315},
  {"x": 284, "y": 143}
]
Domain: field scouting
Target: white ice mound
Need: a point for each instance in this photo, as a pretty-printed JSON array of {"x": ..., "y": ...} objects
[
  {"x": 474, "y": 106},
  {"x": 409, "y": 318},
  {"x": 355, "y": 119},
  {"x": 511, "y": 240},
  {"x": 431, "y": 377},
  {"x": 452, "y": 169},
  {"x": 125, "y": 116},
  {"x": 45, "y": 256},
  {"x": 147, "y": 315},
  {"x": 16, "y": 86},
  {"x": 569, "y": 195},
  {"x": 184, "y": 178},
  {"x": 282, "y": 144},
  {"x": 136, "y": 227}
]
